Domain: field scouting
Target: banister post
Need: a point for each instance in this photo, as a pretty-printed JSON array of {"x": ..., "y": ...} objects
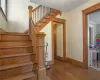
[
  {"x": 0, "y": 40},
  {"x": 30, "y": 11},
  {"x": 0, "y": 36},
  {"x": 40, "y": 55}
]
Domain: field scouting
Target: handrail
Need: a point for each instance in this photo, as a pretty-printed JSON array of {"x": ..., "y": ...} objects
[
  {"x": 36, "y": 8},
  {"x": 31, "y": 22},
  {"x": 33, "y": 37},
  {"x": 39, "y": 12}
]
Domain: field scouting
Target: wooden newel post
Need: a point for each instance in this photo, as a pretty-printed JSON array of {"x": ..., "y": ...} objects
[
  {"x": 30, "y": 11},
  {"x": 0, "y": 36},
  {"x": 30, "y": 16},
  {"x": 40, "y": 55},
  {"x": 0, "y": 40}
]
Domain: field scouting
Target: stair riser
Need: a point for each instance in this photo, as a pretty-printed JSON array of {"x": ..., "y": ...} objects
[
  {"x": 15, "y": 60},
  {"x": 14, "y": 38},
  {"x": 33, "y": 78},
  {"x": 16, "y": 51},
  {"x": 15, "y": 71},
  {"x": 14, "y": 44}
]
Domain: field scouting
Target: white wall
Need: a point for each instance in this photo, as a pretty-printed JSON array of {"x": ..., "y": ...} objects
[
  {"x": 48, "y": 39},
  {"x": 3, "y": 23},
  {"x": 18, "y": 15},
  {"x": 75, "y": 31},
  {"x": 98, "y": 28},
  {"x": 59, "y": 40}
]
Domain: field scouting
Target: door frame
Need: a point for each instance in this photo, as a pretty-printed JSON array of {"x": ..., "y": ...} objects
[
  {"x": 62, "y": 21},
  {"x": 85, "y": 32},
  {"x": 54, "y": 37}
]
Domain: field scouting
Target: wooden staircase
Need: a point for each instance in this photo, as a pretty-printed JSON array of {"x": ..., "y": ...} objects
[
  {"x": 17, "y": 60},
  {"x": 22, "y": 54}
]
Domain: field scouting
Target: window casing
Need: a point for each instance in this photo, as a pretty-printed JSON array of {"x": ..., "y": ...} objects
[{"x": 3, "y": 5}]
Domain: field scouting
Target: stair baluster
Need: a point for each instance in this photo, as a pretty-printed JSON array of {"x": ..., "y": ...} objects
[{"x": 39, "y": 12}]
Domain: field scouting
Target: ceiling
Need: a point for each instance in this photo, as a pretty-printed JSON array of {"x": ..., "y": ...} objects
[
  {"x": 95, "y": 17},
  {"x": 63, "y": 5}
]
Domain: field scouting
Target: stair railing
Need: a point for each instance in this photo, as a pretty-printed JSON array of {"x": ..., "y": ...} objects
[
  {"x": 32, "y": 35},
  {"x": 39, "y": 12}
]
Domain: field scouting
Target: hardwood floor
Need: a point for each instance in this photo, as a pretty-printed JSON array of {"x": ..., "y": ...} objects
[{"x": 65, "y": 71}]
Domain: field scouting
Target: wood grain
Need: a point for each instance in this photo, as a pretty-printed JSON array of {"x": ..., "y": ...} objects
[
  {"x": 66, "y": 71},
  {"x": 74, "y": 62}
]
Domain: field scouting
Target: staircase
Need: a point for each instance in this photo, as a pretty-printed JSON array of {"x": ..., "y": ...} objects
[
  {"x": 22, "y": 54},
  {"x": 17, "y": 60},
  {"x": 41, "y": 16}
]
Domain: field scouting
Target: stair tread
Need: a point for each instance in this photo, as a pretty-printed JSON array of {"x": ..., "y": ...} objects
[
  {"x": 16, "y": 47},
  {"x": 15, "y": 34},
  {"x": 15, "y": 65},
  {"x": 15, "y": 55},
  {"x": 15, "y": 40},
  {"x": 22, "y": 77}
]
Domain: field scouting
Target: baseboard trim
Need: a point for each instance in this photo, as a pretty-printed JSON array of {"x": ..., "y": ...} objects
[
  {"x": 59, "y": 58},
  {"x": 75, "y": 62},
  {"x": 50, "y": 63}
]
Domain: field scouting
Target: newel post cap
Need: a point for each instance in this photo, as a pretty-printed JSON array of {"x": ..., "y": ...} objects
[{"x": 30, "y": 7}]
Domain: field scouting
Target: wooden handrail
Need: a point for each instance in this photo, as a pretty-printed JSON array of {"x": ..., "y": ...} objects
[
  {"x": 32, "y": 35},
  {"x": 40, "y": 12},
  {"x": 36, "y": 8}
]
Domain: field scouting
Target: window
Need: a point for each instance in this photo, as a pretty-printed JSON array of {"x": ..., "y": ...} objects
[{"x": 3, "y": 5}]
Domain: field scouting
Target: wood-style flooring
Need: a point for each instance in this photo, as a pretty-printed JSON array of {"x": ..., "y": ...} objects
[{"x": 65, "y": 71}]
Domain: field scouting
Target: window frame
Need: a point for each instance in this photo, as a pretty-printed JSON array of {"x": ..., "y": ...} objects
[{"x": 5, "y": 12}]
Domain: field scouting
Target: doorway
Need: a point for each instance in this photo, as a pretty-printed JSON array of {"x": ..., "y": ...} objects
[
  {"x": 94, "y": 40},
  {"x": 86, "y": 30},
  {"x": 58, "y": 39}
]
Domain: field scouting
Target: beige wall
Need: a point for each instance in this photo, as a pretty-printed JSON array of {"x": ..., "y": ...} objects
[
  {"x": 75, "y": 31},
  {"x": 48, "y": 39},
  {"x": 18, "y": 15}
]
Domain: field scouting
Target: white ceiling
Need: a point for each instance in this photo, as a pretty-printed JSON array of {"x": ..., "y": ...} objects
[
  {"x": 95, "y": 17},
  {"x": 63, "y": 5}
]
